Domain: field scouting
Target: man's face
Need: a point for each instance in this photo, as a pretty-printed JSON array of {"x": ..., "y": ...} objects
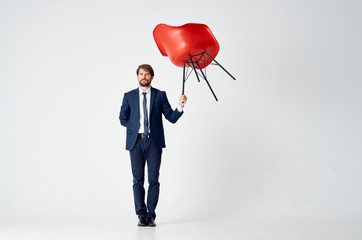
[{"x": 144, "y": 78}]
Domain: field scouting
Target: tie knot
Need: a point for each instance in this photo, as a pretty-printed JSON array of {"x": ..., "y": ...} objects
[{"x": 144, "y": 93}]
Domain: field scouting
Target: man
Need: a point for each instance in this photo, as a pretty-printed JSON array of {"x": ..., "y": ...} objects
[{"x": 141, "y": 113}]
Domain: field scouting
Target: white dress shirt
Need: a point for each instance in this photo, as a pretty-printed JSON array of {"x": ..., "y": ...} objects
[{"x": 148, "y": 101}]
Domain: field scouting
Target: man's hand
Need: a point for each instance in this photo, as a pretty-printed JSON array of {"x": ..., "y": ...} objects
[{"x": 183, "y": 100}]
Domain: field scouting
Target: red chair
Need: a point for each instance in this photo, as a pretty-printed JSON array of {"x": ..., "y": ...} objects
[{"x": 189, "y": 46}]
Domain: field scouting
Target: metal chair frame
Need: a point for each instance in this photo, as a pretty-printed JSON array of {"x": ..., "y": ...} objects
[{"x": 196, "y": 60}]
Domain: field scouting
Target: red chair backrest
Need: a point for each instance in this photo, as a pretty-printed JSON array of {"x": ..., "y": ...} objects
[{"x": 182, "y": 42}]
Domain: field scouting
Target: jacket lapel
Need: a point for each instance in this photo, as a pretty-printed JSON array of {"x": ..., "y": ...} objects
[
  {"x": 153, "y": 95},
  {"x": 137, "y": 101}
]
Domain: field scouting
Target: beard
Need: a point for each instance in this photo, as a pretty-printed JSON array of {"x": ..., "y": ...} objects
[{"x": 146, "y": 84}]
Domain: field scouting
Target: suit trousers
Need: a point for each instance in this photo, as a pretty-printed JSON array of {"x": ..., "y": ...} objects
[{"x": 145, "y": 151}]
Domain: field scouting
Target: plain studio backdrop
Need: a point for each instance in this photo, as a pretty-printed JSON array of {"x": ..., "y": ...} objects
[{"x": 284, "y": 139}]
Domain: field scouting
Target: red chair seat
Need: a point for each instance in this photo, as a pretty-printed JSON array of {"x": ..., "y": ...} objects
[{"x": 182, "y": 42}]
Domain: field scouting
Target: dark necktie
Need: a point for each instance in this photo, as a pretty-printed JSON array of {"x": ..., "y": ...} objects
[{"x": 145, "y": 116}]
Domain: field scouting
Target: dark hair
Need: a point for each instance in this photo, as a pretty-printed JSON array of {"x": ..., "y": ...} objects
[{"x": 146, "y": 67}]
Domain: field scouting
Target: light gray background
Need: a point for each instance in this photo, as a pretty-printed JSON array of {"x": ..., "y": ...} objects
[{"x": 284, "y": 140}]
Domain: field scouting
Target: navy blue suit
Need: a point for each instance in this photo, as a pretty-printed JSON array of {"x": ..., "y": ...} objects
[
  {"x": 130, "y": 116},
  {"x": 144, "y": 150}
]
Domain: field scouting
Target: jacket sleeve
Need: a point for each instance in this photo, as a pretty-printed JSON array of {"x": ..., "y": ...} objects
[
  {"x": 125, "y": 112},
  {"x": 170, "y": 115}
]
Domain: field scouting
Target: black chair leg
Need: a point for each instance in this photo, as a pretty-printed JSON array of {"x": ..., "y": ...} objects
[
  {"x": 220, "y": 66},
  {"x": 203, "y": 75}
]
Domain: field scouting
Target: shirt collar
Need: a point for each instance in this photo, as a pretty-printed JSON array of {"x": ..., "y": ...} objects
[{"x": 140, "y": 91}]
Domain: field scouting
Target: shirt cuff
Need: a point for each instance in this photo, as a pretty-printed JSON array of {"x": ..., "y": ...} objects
[{"x": 179, "y": 108}]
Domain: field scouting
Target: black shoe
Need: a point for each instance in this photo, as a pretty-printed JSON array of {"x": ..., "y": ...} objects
[
  {"x": 151, "y": 222},
  {"x": 142, "y": 222}
]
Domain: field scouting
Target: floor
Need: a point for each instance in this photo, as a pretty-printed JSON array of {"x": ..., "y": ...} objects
[{"x": 185, "y": 229}]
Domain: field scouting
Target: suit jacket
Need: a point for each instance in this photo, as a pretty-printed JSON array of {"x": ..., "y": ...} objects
[{"x": 130, "y": 116}]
